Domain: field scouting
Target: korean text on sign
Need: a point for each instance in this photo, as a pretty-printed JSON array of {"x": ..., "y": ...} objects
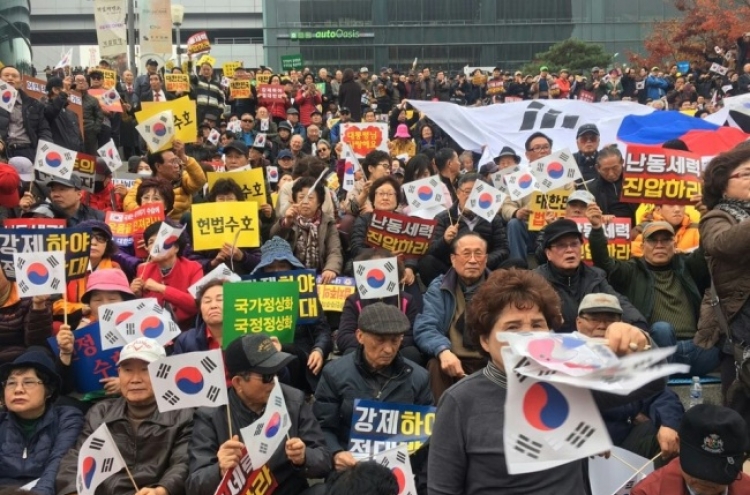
[
  {"x": 184, "y": 116},
  {"x": 395, "y": 232},
  {"x": 177, "y": 82},
  {"x": 267, "y": 308},
  {"x": 84, "y": 168},
  {"x": 333, "y": 295},
  {"x": 661, "y": 176},
  {"x": 379, "y": 426},
  {"x": 76, "y": 242},
  {"x": 252, "y": 182},
  {"x": 556, "y": 200},
  {"x": 216, "y": 224},
  {"x": 365, "y": 137},
  {"x": 308, "y": 296},
  {"x": 242, "y": 480},
  {"x": 239, "y": 89},
  {"x": 618, "y": 238},
  {"x": 272, "y": 92},
  {"x": 126, "y": 225}
]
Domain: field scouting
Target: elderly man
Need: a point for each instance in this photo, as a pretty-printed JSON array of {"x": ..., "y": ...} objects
[
  {"x": 572, "y": 279},
  {"x": 65, "y": 194},
  {"x": 607, "y": 187},
  {"x": 375, "y": 371},
  {"x": 686, "y": 233},
  {"x": 665, "y": 287},
  {"x": 587, "y": 140},
  {"x": 154, "y": 445},
  {"x": 296, "y": 143},
  {"x": 713, "y": 447},
  {"x": 458, "y": 220},
  {"x": 23, "y": 127},
  {"x": 313, "y": 136},
  {"x": 647, "y": 426},
  {"x": 440, "y": 331},
  {"x": 247, "y": 132},
  {"x": 252, "y": 362},
  {"x": 236, "y": 156}
]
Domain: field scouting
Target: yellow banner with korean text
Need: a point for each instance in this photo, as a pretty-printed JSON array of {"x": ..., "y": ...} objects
[
  {"x": 233, "y": 222},
  {"x": 252, "y": 182},
  {"x": 555, "y": 201},
  {"x": 183, "y": 112},
  {"x": 177, "y": 82}
]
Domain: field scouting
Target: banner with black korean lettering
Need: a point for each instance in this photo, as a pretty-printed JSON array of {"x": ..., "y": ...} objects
[
  {"x": 617, "y": 232},
  {"x": 410, "y": 236},
  {"x": 75, "y": 242},
  {"x": 242, "y": 480},
  {"x": 379, "y": 426},
  {"x": 269, "y": 309},
  {"x": 660, "y": 176},
  {"x": 308, "y": 293},
  {"x": 233, "y": 223}
]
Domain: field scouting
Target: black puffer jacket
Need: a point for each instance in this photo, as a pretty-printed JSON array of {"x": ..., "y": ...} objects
[
  {"x": 63, "y": 123},
  {"x": 34, "y": 123}
]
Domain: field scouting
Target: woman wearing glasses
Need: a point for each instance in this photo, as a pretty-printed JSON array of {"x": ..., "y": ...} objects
[{"x": 34, "y": 433}]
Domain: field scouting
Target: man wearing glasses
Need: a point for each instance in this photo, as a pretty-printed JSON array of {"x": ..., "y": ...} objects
[
  {"x": 440, "y": 331},
  {"x": 572, "y": 279},
  {"x": 587, "y": 140},
  {"x": 247, "y": 129}
]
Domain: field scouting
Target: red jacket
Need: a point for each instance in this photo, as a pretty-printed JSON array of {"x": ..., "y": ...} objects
[
  {"x": 668, "y": 481},
  {"x": 307, "y": 106},
  {"x": 276, "y": 109},
  {"x": 184, "y": 273},
  {"x": 103, "y": 200}
]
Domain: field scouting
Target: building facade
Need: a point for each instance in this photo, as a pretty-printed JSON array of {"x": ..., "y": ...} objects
[
  {"x": 15, "y": 32},
  {"x": 448, "y": 34}
]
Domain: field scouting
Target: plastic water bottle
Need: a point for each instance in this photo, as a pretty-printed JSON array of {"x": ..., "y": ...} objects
[{"x": 696, "y": 392}]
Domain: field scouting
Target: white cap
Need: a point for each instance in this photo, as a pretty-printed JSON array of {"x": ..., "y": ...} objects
[
  {"x": 582, "y": 196},
  {"x": 144, "y": 349},
  {"x": 24, "y": 167}
]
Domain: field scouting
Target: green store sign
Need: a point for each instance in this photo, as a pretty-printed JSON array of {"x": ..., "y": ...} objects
[{"x": 328, "y": 34}]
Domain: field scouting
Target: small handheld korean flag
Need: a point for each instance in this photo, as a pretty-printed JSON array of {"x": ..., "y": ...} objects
[
  {"x": 351, "y": 165},
  {"x": 8, "y": 95},
  {"x": 157, "y": 326},
  {"x": 166, "y": 238},
  {"x": 110, "y": 97},
  {"x": 719, "y": 69},
  {"x": 98, "y": 459},
  {"x": 214, "y": 136},
  {"x": 424, "y": 193},
  {"x": 221, "y": 272},
  {"x": 65, "y": 61},
  {"x": 520, "y": 184},
  {"x": 41, "y": 273},
  {"x": 111, "y": 155},
  {"x": 260, "y": 140},
  {"x": 555, "y": 170},
  {"x": 273, "y": 174},
  {"x": 397, "y": 460},
  {"x": 265, "y": 435},
  {"x": 54, "y": 160},
  {"x": 195, "y": 379},
  {"x": 157, "y": 130},
  {"x": 376, "y": 278},
  {"x": 546, "y": 424},
  {"x": 111, "y": 315},
  {"x": 485, "y": 200}
]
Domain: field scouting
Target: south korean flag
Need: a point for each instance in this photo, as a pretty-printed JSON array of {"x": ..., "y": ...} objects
[
  {"x": 151, "y": 324},
  {"x": 54, "y": 160},
  {"x": 98, "y": 459},
  {"x": 397, "y": 460},
  {"x": 424, "y": 193},
  {"x": 376, "y": 279},
  {"x": 41, "y": 273},
  {"x": 485, "y": 201},
  {"x": 221, "y": 272},
  {"x": 111, "y": 315},
  {"x": 195, "y": 379},
  {"x": 264, "y": 436},
  {"x": 546, "y": 424},
  {"x": 8, "y": 95},
  {"x": 157, "y": 131},
  {"x": 351, "y": 165},
  {"x": 111, "y": 155}
]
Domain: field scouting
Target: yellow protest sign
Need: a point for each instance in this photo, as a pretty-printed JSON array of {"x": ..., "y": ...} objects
[
  {"x": 207, "y": 59},
  {"x": 263, "y": 78},
  {"x": 229, "y": 68},
  {"x": 239, "y": 89},
  {"x": 556, "y": 201},
  {"x": 333, "y": 295},
  {"x": 233, "y": 222},
  {"x": 110, "y": 78},
  {"x": 177, "y": 82},
  {"x": 252, "y": 182},
  {"x": 184, "y": 114}
]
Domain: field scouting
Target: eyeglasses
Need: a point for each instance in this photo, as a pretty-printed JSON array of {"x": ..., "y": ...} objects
[
  {"x": 601, "y": 318},
  {"x": 575, "y": 245},
  {"x": 250, "y": 121},
  {"x": 99, "y": 238},
  {"x": 385, "y": 194},
  {"x": 589, "y": 138},
  {"x": 540, "y": 148},
  {"x": 175, "y": 161},
  {"x": 322, "y": 149},
  {"x": 744, "y": 175},
  {"x": 664, "y": 241},
  {"x": 467, "y": 255},
  {"x": 26, "y": 384},
  {"x": 96, "y": 77}
]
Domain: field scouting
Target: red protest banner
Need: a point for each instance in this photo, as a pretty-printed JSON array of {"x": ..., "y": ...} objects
[
  {"x": 127, "y": 228},
  {"x": 242, "y": 480},
  {"x": 198, "y": 43},
  {"x": 395, "y": 232},
  {"x": 272, "y": 92},
  {"x": 365, "y": 137},
  {"x": 618, "y": 238},
  {"x": 661, "y": 176},
  {"x": 34, "y": 223}
]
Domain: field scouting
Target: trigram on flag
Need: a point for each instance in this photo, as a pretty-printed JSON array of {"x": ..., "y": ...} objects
[
  {"x": 397, "y": 460},
  {"x": 194, "y": 379},
  {"x": 556, "y": 170},
  {"x": 41, "y": 273},
  {"x": 485, "y": 200},
  {"x": 424, "y": 193},
  {"x": 260, "y": 140},
  {"x": 221, "y": 272},
  {"x": 548, "y": 424},
  {"x": 498, "y": 178},
  {"x": 520, "y": 184},
  {"x": 154, "y": 325},
  {"x": 263, "y": 437},
  {"x": 376, "y": 279},
  {"x": 54, "y": 160},
  {"x": 111, "y": 155},
  {"x": 166, "y": 238},
  {"x": 351, "y": 165},
  {"x": 111, "y": 315},
  {"x": 157, "y": 130},
  {"x": 8, "y": 95},
  {"x": 98, "y": 459},
  {"x": 273, "y": 174}
]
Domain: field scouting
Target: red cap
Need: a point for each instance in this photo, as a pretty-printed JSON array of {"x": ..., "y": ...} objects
[{"x": 9, "y": 184}]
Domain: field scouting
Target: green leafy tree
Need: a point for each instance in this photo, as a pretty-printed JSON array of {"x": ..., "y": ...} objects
[{"x": 572, "y": 54}]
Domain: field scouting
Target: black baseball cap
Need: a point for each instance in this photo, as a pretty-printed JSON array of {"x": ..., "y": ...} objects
[
  {"x": 558, "y": 229},
  {"x": 236, "y": 145},
  {"x": 255, "y": 353}
]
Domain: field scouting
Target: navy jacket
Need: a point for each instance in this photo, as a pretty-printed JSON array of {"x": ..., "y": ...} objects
[{"x": 663, "y": 409}]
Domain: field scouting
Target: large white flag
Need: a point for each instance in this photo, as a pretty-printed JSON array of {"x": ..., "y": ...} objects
[
  {"x": 265, "y": 435},
  {"x": 54, "y": 160},
  {"x": 556, "y": 170},
  {"x": 397, "y": 460},
  {"x": 111, "y": 315},
  {"x": 41, "y": 273},
  {"x": 166, "y": 238},
  {"x": 424, "y": 193},
  {"x": 376, "y": 279},
  {"x": 221, "y": 272},
  {"x": 194, "y": 379},
  {"x": 157, "y": 130},
  {"x": 8, "y": 95},
  {"x": 485, "y": 200},
  {"x": 98, "y": 459},
  {"x": 157, "y": 326}
]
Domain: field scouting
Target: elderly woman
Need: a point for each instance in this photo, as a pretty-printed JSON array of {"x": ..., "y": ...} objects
[
  {"x": 311, "y": 233},
  {"x": 402, "y": 143},
  {"x": 725, "y": 237},
  {"x": 466, "y": 448},
  {"x": 34, "y": 433},
  {"x": 207, "y": 332}
]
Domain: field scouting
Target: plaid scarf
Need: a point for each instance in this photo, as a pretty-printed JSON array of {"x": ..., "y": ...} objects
[
  {"x": 740, "y": 210},
  {"x": 307, "y": 241}
]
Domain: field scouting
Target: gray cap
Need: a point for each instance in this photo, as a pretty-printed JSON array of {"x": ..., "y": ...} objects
[
  {"x": 600, "y": 303},
  {"x": 74, "y": 181},
  {"x": 383, "y": 319}
]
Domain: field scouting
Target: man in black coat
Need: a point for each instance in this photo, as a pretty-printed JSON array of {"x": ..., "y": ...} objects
[
  {"x": 607, "y": 186},
  {"x": 63, "y": 123},
  {"x": 21, "y": 129}
]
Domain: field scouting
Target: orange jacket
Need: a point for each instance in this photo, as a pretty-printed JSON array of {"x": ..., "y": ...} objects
[{"x": 686, "y": 237}]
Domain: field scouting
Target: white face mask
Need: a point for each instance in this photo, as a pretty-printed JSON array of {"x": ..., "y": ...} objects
[{"x": 144, "y": 173}]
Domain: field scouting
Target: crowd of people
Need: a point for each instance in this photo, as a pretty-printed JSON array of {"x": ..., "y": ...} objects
[{"x": 434, "y": 343}]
